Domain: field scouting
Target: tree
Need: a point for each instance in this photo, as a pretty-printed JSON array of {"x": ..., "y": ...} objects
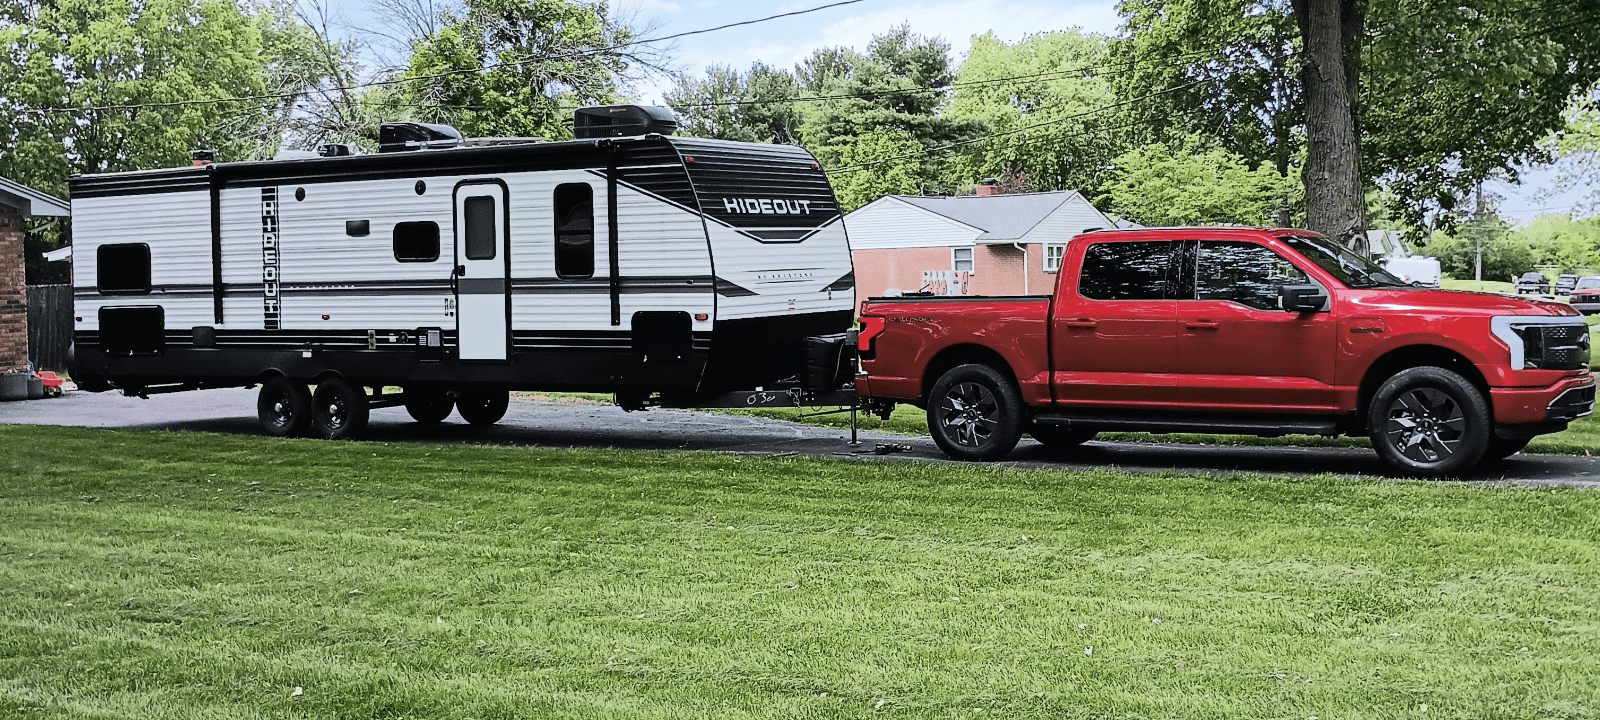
[
  {"x": 1156, "y": 185},
  {"x": 518, "y": 67},
  {"x": 1330, "y": 37},
  {"x": 894, "y": 167},
  {"x": 757, "y": 106},
  {"x": 1045, "y": 79}
]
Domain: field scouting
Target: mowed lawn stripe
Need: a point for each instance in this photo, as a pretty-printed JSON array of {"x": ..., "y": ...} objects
[{"x": 190, "y": 575}]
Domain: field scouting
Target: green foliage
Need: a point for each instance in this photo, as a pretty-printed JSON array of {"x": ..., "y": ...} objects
[
  {"x": 757, "y": 106},
  {"x": 1037, "y": 80},
  {"x": 1560, "y": 240},
  {"x": 510, "y": 67},
  {"x": 1157, "y": 185},
  {"x": 897, "y": 171}
]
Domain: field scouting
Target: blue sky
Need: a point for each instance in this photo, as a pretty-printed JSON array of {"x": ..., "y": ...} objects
[{"x": 784, "y": 42}]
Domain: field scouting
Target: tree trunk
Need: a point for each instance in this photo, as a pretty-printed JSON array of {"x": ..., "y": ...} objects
[{"x": 1335, "y": 203}]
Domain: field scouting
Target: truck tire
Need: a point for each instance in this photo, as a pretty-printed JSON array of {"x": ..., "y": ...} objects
[
  {"x": 1429, "y": 421},
  {"x": 975, "y": 413},
  {"x": 483, "y": 407},
  {"x": 1057, "y": 437},
  {"x": 1500, "y": 449},
  {"x": 338, "y": 409},
  {"x": 284, "y": 407},
  {"x": 428, "y": 407}
]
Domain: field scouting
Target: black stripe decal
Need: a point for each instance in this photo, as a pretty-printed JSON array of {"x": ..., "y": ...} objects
[{"x": 481, "y": 286}]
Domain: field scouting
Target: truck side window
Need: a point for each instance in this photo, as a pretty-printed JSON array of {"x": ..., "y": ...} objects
[
  {"x": 1245, "y": 273},
  {"x": 122, "y": 269},
  {"x": 1128, "y": 271},
  {"x": 574, "y": 226}
]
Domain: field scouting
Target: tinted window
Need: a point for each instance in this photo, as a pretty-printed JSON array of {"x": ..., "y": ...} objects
[
  {"x": 123, "y": 269},
  {"x": 574, "y": 221},
  {"x": 478, "y": 214},
  {"x": 416, "y": 241},
  {"x": 1128, "y": 271},
  {"x": 1352, "y": 269},
  {"x": 1245, "y": 273}
]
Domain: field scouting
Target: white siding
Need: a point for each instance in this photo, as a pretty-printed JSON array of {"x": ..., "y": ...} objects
[
  {"x": 176, "y": 226},
  {"x": 788, "y": 278},
  {"x": 1072, "y": 218},
  {"x": 888, "y": 223}
]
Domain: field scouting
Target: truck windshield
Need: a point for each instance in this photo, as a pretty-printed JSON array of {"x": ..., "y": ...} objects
[{"x": 1350, "y": 267}]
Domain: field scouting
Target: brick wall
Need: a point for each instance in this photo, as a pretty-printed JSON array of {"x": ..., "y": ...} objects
[{"x": 13, "y": 296}]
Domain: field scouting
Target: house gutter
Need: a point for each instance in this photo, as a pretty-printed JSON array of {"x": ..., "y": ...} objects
[{"x": 1024, "y": 250}]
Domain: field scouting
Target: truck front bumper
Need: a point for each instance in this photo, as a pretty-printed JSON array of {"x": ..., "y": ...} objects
[
  {"x": 1546, "y": 407},
  {"x": 1587, "y": 307}
]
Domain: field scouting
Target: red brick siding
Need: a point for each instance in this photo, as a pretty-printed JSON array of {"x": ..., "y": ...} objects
[{"x": 13, "y": 297}]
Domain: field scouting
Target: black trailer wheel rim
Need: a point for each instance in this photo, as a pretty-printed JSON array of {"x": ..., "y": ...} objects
[
  {"x": 1426, "y": 425},
  {"x": 969, "y": 414},
  {"x": 282, "y": 413},
  {"x": 338, "y": 412}
]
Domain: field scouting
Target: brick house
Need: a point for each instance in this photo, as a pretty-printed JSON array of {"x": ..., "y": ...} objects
[
  {"x": 17, "y": 202},
  {"x": 1005, "y": 244}
]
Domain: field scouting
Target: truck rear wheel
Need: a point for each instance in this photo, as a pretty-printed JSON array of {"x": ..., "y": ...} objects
[
  {"x": 428, "y": 407},
  {"x": 339, "y": 409},
  {"x": 1429, "y": 421},
  {"x": 975, "y": 413},
  {"x": 483, "y": 407},
  {"x": 284, "y": 407}
]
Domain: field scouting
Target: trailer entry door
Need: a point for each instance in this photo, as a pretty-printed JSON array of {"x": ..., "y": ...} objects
[{"x": 482, "y": 298}]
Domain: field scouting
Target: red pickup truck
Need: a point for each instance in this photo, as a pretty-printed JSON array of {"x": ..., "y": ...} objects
[{"x": 1232, "y": 330}]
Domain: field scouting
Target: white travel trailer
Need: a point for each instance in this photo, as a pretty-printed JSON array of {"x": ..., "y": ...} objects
[{"x": 661, "y": 269}]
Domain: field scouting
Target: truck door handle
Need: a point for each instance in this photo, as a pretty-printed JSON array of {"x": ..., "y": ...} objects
[
  {"x": 1200, "y": 325},
  {"x": 1081, "y": 323}
]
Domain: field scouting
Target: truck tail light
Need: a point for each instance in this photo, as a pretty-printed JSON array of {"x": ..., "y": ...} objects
[{"x": 871, "y": 328}]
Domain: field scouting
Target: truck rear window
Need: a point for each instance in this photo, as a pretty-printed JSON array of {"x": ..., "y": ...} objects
[{"x": 1128, "y": 271}]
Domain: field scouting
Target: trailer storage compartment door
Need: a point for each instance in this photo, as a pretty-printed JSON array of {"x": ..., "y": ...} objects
[{"x": 482, "y": 301}]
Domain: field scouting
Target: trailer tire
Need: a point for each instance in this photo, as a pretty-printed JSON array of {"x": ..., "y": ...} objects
[
  {"x": 339, "y": 409},
  {"x": 975, "y": 413},
  {"x": 428, "y": 407},
  {"x": 284, "y": 407},
  {"x": 1500, "y": 448},
  {"x": 483, "y": 407},
  {"x": 1057, "y": 437}
]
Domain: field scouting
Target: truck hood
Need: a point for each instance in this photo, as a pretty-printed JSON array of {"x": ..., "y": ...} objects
[{"x": 1453, "y": 302}]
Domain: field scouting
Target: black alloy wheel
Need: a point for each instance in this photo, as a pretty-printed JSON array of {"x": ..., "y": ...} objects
[
  {"x": 483, "y": 407},
  {"x": 427, "y": 405},
  {"x": 284, "y": 407},
  {"x": 339, "y": 409},
  {"x": 975, "y": 413},
  {"x": 1429, "y": 421}
]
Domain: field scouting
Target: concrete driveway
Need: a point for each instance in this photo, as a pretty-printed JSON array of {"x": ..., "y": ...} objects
[{"x": 553, "y": 423}]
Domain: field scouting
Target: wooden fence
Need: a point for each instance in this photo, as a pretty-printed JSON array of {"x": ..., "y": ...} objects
[{"x": 49, "y": 326}]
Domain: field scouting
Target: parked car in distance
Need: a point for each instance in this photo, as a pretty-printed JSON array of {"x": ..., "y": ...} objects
[
  {"x": 1418, "y": 270},
  {"x": 1565, "y": 283},
  {"x": 1585, "y": 295},
  {"x": 1533, "y": 282}
]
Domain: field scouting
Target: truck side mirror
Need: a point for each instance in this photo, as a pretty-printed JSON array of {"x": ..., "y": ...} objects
[{"x": 1303, "y": 298}]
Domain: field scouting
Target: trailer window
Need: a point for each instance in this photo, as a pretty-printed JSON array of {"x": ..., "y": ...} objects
[
  {"x": 416, "y": 241},
  {"x": 479, "y": 216},
  {"x": 123, "y": 269},
  {"x": 574, "y": 226}
]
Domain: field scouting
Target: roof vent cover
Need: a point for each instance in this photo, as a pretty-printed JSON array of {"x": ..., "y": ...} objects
[
  {"x": 402, "y": 136},
  {"x": 622, "y": 121}
]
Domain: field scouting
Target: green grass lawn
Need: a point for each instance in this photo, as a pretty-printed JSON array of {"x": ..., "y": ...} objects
[
  {"x": 1477, "y": 285},
  {"x": 187, "y": 575}
]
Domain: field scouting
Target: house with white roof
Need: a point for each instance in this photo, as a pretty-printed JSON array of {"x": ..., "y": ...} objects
[{"x": 982, "y": 244}]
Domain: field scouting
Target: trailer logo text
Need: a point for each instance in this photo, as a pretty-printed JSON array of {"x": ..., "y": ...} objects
[
  {"x": 269, "y": 257},
  {"x": 766, "y": 206}
]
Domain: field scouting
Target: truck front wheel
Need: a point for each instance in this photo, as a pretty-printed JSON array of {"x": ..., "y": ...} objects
[
  {"x": 1429, "y": 421},
  {"x": 974, "y": 413}
]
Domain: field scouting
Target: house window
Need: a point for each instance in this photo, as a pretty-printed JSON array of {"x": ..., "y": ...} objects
[
  {"x": 416, "y": 241},
  {"x": 574, "y": 221},
  {"x": 961, "y": 259},
  {"x": 1052, "y": 256}
]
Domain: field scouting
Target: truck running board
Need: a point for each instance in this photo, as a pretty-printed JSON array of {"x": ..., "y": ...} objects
[{"x": 1263, "y": 426}]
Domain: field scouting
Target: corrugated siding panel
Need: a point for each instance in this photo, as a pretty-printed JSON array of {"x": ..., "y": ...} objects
[
  {"x": 889, "y": 223},
  {"x": 177, "y": 226},
  {"x": 788, "y": 278}
]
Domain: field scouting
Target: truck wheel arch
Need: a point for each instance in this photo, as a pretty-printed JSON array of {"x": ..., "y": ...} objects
[
  {"x": 956, "y": 355},
  {"x": 1412, "y": 356}
]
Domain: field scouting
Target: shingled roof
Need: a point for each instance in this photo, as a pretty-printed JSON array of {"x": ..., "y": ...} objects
[
  {"x": 1002, "y": 218},
  {"x": 30, "y": 202}
]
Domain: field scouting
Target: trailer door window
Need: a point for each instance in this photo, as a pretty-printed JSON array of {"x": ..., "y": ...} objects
[
  {"x": 416, "y": 241},
  {"x": 123, "y": 269},
  {"x": 479, "y": 215},
  {"x": 574, "y": 225}
]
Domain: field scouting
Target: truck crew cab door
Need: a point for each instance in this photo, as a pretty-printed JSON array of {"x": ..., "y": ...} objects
[
  {"x": 1238, "y": 350},
  {"x": 1112, "y": 325},
  {"x": 479, "y": 276}
]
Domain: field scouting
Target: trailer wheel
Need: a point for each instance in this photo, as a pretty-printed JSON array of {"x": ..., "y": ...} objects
[
  {"x": 974, "y": 413},
  {"x": 284, "y": 407},
  {"x": 428, "y": 406},
  {"x": 338, "y": 409},
  {"x": 1057, "y": 437},
  {"x": 1500, "y": 449},
  {"x": 483, "y": 407}
]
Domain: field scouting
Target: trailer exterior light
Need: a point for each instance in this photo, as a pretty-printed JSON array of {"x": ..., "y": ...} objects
[
  {"x": 324, "y": 317},
  {"x": 702, "y": 317}
]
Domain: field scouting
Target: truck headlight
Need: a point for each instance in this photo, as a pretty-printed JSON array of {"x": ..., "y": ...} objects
[{"x": 1553, "y": 347}]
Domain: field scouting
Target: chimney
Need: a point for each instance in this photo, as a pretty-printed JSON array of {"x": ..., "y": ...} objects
[
  {"x": 200, "y": 158},
  {"x": 988, "y": 186}
]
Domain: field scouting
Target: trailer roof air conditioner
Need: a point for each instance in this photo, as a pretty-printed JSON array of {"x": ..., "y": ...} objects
[
  {"x": 622, "y": 121},
  {"x": 402, "y": 136}
]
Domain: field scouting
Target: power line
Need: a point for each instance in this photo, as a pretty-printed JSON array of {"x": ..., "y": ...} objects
[{"x": 435, "y": 76}]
